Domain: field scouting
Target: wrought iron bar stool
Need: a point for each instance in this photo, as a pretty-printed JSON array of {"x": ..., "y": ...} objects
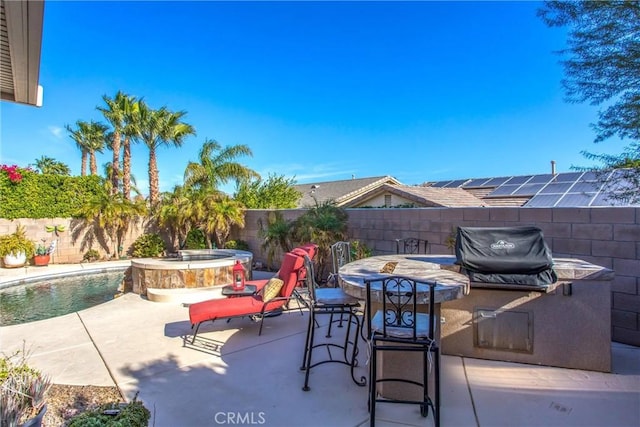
[
  {"x": 411, "y": 245},
  {"x": 398, "y": 326},
  {"x": 331, "y": 301}
]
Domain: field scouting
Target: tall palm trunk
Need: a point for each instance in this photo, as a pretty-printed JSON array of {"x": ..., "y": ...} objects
[
  {"x": 83, "y": 164},
  {"x": 126, "y": 168},
  {"x": 93, "y": 166},
  {"x": 154, "y": 187},
  {"x": 115, "y": 163}
]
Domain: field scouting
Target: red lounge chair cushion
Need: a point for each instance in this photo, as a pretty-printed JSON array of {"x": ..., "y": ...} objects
[{"x": 246, "y": 306}]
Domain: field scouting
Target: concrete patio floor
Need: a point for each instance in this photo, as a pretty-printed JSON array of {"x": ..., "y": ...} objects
[{"x": 232, "y": 376}]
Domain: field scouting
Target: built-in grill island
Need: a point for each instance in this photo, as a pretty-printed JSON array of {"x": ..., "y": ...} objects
[{"x": 525, "y": 306}]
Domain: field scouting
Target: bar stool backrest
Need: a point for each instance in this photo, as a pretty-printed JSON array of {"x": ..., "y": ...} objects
[
  {"x": 310, "y": 277},
  {"x": 398, "y": 297},
  {"x": 411, "y": 245}
]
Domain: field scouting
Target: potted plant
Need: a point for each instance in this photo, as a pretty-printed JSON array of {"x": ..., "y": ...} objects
[
  {"x": 43, "y": 253},
  {"x": 22, "y": 392},
  {"x": 16, "y": 248}
]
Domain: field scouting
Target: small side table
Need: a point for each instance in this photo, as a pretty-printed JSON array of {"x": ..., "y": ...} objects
[{"x": 248, "y": 290}]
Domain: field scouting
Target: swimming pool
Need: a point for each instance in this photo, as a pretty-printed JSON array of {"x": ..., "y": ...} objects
[{"x": 52, "y": 297}]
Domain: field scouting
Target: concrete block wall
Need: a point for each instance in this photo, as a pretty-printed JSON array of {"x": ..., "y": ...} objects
[
  {"x": 70, "y": 247},
  {"x": 605, "y": 236}
]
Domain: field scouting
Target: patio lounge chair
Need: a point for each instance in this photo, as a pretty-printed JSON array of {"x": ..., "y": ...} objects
[{"x": 255, "y": 305}]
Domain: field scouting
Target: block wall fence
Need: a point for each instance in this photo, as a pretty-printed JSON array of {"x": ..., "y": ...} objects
[{"x": 609, "y": 237}]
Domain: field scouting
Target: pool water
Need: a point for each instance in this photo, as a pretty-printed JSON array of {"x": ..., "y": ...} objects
[{"x": 55, "y": 297}]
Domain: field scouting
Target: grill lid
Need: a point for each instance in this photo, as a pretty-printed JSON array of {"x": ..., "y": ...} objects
[{"x": 505, "y": 255}]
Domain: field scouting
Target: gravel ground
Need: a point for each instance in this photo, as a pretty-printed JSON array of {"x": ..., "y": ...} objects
[{"x": 66, "y": 401}]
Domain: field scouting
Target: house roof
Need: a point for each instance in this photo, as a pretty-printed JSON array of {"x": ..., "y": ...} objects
[
  {"x": 20, "y": 47},
  {"x": 425, "y": 196},
  {"x": 342, "y": 192}
]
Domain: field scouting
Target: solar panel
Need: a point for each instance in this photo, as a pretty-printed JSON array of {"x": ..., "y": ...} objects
[
  {"x": 494, "y": 182},
  {"x": 457, "y": 183},
  {"x": 582, "y": 186},
  {"x": 556, "y": 188},
  {"x": 520, "y": 179},
  {"x": 603, "y": 199},
  {"x": 504, "y": 190},
  {"x": 567, "y": 177},
  {"x": 589, "y": 188},
  {"x": 528, "y": 189},
  {"x": 543, "y": 200},
  {"x": 576, "y": 199},
  {"x": 540, "y": 179},
  {"x": 476, "y": 182}
]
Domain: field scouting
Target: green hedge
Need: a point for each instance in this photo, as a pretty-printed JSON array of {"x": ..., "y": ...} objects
[{"x": 46, "y": 196}]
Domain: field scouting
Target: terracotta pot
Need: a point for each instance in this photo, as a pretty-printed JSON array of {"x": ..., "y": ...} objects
[
  {"x": 13, "y": 261},
  {"x": 41, "y": 260}
]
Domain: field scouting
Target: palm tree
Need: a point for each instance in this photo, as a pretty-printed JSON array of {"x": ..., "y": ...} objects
[
  {"x": 115, "y": 113},
  {"x": 89, "y": 137},
  {"x": 217, "y": 166},
  {"x": 51, "y": 166},
  {"x": 222, "y": 213},
  {"x": 114, "y": 215},
  {"x": 174, "y": 214},
  {"x": 160, "y": 127},
  {"x": 323, "y": 224},
  {"x": 129, "y": 132},
  {"x": 276, "y": 235}
]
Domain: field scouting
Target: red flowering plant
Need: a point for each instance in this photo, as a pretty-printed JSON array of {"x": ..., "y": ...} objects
[{"x": 14, "y": 172}]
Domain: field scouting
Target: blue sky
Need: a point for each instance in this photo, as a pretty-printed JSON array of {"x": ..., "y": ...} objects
[{"x": 320, "y": 91}]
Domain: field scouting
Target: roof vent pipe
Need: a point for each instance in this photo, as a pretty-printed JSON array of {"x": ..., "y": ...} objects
[{"x": 553, "y": 167}]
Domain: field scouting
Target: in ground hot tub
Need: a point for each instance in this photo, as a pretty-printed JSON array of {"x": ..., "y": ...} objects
[{"x": 203, "y": 268}]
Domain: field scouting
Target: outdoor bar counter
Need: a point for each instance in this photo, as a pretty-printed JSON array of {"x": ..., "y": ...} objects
[
  {"x": 450, "y": 286},
  {"x": 568, "y": 325}
]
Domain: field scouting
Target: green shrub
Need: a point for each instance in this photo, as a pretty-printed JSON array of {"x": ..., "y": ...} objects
[
  {"x": 195, "y": 240},
  {"x": 91, "y": 255},
  {"x": 148, "y": 245},
  {"x": 359, "y": 250},
  {"x": 240, "y": 245},
  {"x": 133, "y": 414},
  {"x": 46, "y": 196}
]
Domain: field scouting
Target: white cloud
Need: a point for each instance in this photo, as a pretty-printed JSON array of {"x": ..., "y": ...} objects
[
  {"x": 307, "y": 174},
  {"x": 56, "y": 131}
]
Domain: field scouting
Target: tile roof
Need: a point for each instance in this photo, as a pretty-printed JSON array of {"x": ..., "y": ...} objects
[
  {"x": 340, "y": 191},
  {"x": 426, "y": 196}
]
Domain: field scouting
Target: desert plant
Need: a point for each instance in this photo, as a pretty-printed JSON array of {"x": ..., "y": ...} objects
[
  {"x": 22, "y": 390},
  {"x": 148, "y": 245},
  {"x": 324, "y": 224},
  {"x": 237, "y": 244},
  {"x": 17, "y": 242},
  {"x": 91, "y": 255},
  {"x": 276, "y": 235},
  {"x": 131, "y": 414},
  {"x": 359, "y": 250}
]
